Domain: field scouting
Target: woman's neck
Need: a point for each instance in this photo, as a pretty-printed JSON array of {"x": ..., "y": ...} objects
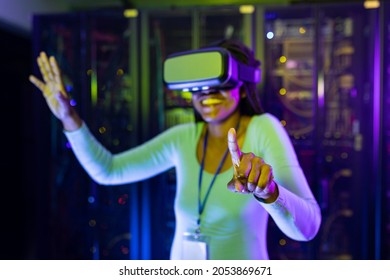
[{"x": 220, "y": 129}]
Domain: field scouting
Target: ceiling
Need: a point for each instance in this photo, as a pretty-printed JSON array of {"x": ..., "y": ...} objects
[{"x": 17, "y": 14}]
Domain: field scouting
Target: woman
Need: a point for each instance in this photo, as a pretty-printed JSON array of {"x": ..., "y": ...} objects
[{"x": 211, "y": 222}]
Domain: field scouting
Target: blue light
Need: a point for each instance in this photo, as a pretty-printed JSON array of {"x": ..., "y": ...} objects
[
  {"x": 270, "y": 35},
  {"x": 73, "y": 102}
]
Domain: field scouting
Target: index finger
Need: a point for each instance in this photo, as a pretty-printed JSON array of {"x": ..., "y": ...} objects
[
  {"x": 44, "y": 67},
  {"x": 234, "y": 149},
  {"x": 57, "y": 73}
]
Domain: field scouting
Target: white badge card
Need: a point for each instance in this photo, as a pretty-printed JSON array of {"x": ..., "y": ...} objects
[{"x": 195, "y": 247}]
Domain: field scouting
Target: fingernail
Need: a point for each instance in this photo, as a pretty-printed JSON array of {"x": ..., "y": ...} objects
[
  {"x": 238, "y": 186},
  {"x": 251, "y": 187}
]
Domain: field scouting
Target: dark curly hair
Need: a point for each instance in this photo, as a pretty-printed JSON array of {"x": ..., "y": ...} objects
[{"x": 250, "y": 103}]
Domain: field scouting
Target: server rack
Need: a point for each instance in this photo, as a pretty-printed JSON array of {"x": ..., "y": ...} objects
[{"x": 93, "y": 49}]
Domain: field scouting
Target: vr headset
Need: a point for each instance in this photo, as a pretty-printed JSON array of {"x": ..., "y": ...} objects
[{"x": 206, "y": 68}]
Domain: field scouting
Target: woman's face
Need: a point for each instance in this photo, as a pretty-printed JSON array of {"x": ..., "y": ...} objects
[{"x": 216, "y": 106}]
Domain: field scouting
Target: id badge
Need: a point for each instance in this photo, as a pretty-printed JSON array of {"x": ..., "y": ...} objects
[{"x": 195, "y": 246}]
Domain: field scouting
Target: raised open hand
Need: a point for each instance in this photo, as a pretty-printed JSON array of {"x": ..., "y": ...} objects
[
  {"x": 251, "y": 173},
  {"x": 52, "y": 88}
]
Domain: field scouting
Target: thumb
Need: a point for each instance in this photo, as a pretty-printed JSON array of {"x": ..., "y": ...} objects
[{"x": 234, "y": 149}]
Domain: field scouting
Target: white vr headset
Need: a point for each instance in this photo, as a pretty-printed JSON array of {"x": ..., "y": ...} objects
[{"x": 206, "y": 68}]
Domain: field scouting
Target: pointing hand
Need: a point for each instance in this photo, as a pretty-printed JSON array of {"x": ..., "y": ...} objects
[{"x": 251, "y": 173}]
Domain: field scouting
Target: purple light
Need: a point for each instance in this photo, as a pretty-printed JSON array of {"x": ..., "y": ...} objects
[{"x": 68, "y": 88}]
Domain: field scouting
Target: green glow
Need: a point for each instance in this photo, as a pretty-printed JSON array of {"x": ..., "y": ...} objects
[{"x": 94, "y": 89}]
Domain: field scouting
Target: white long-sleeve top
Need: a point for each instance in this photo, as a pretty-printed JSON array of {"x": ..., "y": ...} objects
[{"x": 236, "y": 223}]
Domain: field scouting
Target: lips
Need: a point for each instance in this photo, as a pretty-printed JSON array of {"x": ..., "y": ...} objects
[{"x": 210, "y": 101}]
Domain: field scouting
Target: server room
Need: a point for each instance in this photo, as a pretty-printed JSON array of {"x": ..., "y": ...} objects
[{"x": 325, "y": 77}]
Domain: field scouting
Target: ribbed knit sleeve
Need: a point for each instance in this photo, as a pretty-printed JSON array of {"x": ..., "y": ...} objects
[
  {"x": 296, "y": 211},
  {"x": 141, "y": 162}
]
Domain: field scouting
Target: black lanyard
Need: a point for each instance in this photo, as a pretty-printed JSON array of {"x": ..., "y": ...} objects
[{"x": 201, "y": 204}]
